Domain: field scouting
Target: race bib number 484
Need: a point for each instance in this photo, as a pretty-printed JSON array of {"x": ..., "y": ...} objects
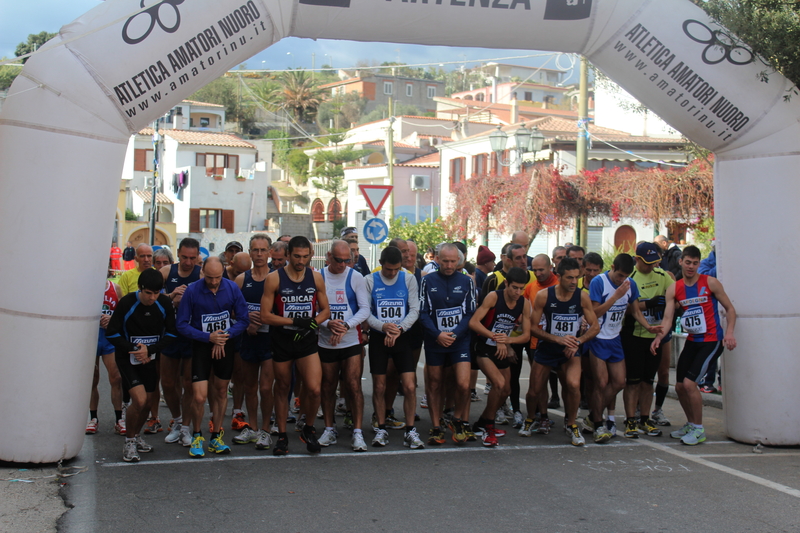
[{"x": 447, "y": 319}]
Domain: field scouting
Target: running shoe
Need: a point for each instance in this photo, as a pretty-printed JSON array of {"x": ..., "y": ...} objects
[
  {"x": 507, "y": 409},
  {"x": 436, "y": 436},
  {"x": 91, "y": 427},
  {"x": 300, "y": 424},
  {"x": 708, "y": 389},
  {"x": 694, "y": 437},
  {"x": 587, "y": 426},
  {"x": 412, "y": 440},
  {"x": 473, "y": 397},
  {"x": 471, "y": 437},
  {"x": 545, "y": 425},
  {"x": 264, "y": 441},
  {"x": 499, "y": 432},
  {"x": 296, "y": 405},
  {"x": 659, "y": 418},
  {"x": 631, "y": 429},
  {"x": 218, "y": 446},
  {"x": 129, "y": 452},
  {"x": 601, "y": 434},
  {"x": 309, "y": 436},
  {"x": 319, "y": 413},
  {"x": 612, "y": 427},
  {"x": 153, "y": 426},
  {"x": 119, "y": 427},
  {"x": 142, "y": 446},
  {"x": 649, "y": 428},
  {"x": 348, "y": 420},
  {"x": 174, "y": 434},
  {"x": 374, "y": 422},
  {"x": 247, "y": 436},
  {"x": 459, "y": 436},
  {"x": 273, "y": 430},
  {"x": 290, "y": 418},
  {"x": 281, "y": 447},
  {"x": 554, "y": 403},
  {"x": 488, "y": 438},
  {"x": 393, "y": 423},
  {"x": 500, "y": 418},
  {"x": 381, "y": 438},
  {"x": 328, "y": 437},
  {"x": 358, "y": 443},
  {"x": 186, "y": 437},
  {"x": 341, "y": 407},
  {"x": 680, "y": 433},
  {"x": 487, "y": 388},
  {"x": 238, "y": 422},
  {"x": 423, "y": 403},
  {"x": 518, "y": 420},
  {"x": 196, "y": 449},
  {"x": 527, "y": 428},
  {"x": 575, "y": 433}
]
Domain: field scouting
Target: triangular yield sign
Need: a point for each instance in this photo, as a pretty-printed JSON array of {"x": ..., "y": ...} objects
[{"x": 376, "y": 196}]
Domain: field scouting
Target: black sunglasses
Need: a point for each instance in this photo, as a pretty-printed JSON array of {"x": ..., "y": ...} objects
[{"x": 340, "y": 261}]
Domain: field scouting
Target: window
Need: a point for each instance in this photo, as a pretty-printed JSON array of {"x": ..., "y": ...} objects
[
  {"x": 479, "y": 97},
  {"x": 317, "y": 211},
  {"x": 143, "y": 160},
  {"x": 409, "y": 90},
  {"x": 387, "y": 88},
  {"x": 431, "y": 92},
  {"x": 200, "y": 219},
  {"x": 528, "y": 96},
  {"x": 217, "y": 163},
  {"x": 493, "y": 164},
  {"x": 457, "y": 170},
  {"x": 205, "y": 122},
  {"x": 506, "y": 169},
  {"x": 479, "y": 164},
  {"x": 334, "y": 210}
]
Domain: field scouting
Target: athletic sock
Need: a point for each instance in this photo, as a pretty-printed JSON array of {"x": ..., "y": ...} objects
[
  {"x": 178, "y": 420},
  {"x": 214, "y": 435},
  {"x": 612, "y": 418},
  {"x": 409, "y": 429},
  {"x": 282, "y": 436},
  {"x": 93, "y": 414},
  {"x": 381, "y": 426},
  {"x": 118, "y": 414},
  {"x": 483, "y": 422},
  {"x": 698, "y": 426},
  {"x": 356, "y": 431},
  {"x": 236, "y": 412},
  {"x": 328, "y": 427},
  {"x": 661, "y": 393},
  {"x": 197, "y": 434},
  {"x": 643, "y": 419}
]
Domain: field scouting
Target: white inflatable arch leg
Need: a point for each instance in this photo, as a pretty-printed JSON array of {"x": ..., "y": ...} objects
[{"x": 64, "y": 129}]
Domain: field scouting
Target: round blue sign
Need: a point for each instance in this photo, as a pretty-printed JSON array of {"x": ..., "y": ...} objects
[{"x": 376, "y": 231}]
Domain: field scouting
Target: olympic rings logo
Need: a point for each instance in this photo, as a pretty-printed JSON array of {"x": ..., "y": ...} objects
[
  {"x": 154, "y": 13},
  {"x": 736, "y": 55}
]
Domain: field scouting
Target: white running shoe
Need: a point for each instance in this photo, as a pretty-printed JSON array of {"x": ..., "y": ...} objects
[
  {"x": 186, "y": 436},
  {"x": 660, "y": 418},
  {"x": 328, "y": 437},
  {"x": 264, "y": 440},
  {"x": 500, "y": 418},
  {"x": 358, "y": 443},
  {"x": 142, "y": 446},
  {"x": 246, "y": 436},
  {"x": 129, "y": 452},
  {"x": 381, "y": 438},
  {"x": 412, "y": 440},
  {"x": 341, "y": 407},
  {"x": 174, "y": 434}
]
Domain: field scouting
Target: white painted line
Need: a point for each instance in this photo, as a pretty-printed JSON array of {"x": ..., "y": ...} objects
[
  {"x": 751, "y": 454},
  {"x": 732, "y": 471},
  {"x": 501, "y": 448}
]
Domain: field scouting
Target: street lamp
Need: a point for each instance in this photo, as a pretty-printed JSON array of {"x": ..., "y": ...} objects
[
  {"x": 291, "y": 54},
  {"x": 522, "y": 138},
  {"x": 536, "y": 142}
]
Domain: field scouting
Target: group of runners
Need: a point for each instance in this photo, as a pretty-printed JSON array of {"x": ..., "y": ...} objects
[{"x": 267, "y": 322}]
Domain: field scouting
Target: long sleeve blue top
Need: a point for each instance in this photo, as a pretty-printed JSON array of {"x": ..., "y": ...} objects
[
  {"x": 200, "y": 310},
  {"x": 446, "y": 304}
]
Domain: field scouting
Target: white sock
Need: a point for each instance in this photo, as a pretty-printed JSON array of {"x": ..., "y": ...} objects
[
  {"x": 356, "y": 431},
  {"x": 236, "y": 411}
]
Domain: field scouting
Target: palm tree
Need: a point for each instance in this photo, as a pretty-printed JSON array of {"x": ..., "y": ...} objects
[{"x": 294, "y": 91}]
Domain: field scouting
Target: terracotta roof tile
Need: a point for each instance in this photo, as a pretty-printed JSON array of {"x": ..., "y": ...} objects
[
  {"x": 194, "y": 102},
  {"x": 148, "y": 197},
  {"x": 204, "y": 138},
  {"x": 429, "y": 160}
]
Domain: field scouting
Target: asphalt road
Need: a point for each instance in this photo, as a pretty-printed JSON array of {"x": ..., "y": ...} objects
[{"x": 540, "y": 483}]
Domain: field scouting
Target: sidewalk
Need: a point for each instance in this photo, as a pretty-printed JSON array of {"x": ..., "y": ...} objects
[{"x": 709, "y": 400}]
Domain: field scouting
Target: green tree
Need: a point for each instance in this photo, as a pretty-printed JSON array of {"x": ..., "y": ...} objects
[
  {"x": 331, "y": 167},
  {"x": 227, "y": 92},
  {"x": 8, "y": 74},
  {"x": 295, "y": 91},
  {"x": 382, "y": 111},
  {"x": 771, "y": 28},
  {"x": 35, "y": 40},
  {"x": 281, "y": 146},
  {"x": 298, "y": 166},
  {"x": 427, "y": 233},
  {"x": 342, "y": 110}
]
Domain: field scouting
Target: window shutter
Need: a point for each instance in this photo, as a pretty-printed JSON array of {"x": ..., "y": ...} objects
[
  {"x": 200, "y": 160},
  {"x": 227, "y": 220},
  {"x": 194, "y": 221},
  {"x": 233, "y": 162},
  {"x": 140, "y": 159}
]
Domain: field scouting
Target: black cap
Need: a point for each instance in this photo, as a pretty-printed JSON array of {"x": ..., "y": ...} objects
[{"x": 234, "y": 244}]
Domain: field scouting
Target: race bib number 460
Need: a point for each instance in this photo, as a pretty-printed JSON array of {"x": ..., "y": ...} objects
[
  {"x": 447, "y": 319},
  {"x": 216, "y": 322}
]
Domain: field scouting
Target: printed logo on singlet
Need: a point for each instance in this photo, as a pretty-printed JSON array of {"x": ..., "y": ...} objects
[{"x": 693, "y": 301}]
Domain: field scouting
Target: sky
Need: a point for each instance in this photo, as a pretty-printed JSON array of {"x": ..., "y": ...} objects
[{"x": 19, "y": 19}]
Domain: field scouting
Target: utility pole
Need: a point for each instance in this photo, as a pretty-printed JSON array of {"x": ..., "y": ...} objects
[
  {"x": 582, "y": 149},
  {"x": 156, "y": 174},
  {"x": 390, "y": 157}
]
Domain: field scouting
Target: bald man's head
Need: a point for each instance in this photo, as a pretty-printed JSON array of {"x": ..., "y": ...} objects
[
  {"x": 212, "y": 272},
  {"x": 521, "y": 238},
  {"x": 541, "y": 267},
  {"x": 241, "y": 263}
]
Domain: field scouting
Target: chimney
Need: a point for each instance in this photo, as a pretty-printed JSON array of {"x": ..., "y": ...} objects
[{"x": 514, "y": 109}]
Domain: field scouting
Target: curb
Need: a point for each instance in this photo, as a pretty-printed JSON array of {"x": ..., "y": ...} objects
[{"x": 709, "y": 400}]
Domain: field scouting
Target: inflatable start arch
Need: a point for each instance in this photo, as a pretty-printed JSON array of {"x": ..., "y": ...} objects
[{"x": 123, "y": 64}]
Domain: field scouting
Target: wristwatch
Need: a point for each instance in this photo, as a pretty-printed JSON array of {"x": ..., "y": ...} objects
[{"x": 347, "y": 326}]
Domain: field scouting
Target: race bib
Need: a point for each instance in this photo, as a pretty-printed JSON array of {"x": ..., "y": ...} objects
[
  {"x": 391, "y": 310},
  {"x": 502, "y": 328},
  {"x": 694, "y": 321},
  {"x": 298, "y": 310},
  {"x": 447, "y": 319},
  {"x": 215, "y": 322},
  {"x": 614, "y": 317},
  {"x": 147, "y": 341},
  {"x": 256, "y": 308},
  {"x": 563, "y": 325},
  {"x": 652, "y": 316},
  {"x": 338, "y": 311}
]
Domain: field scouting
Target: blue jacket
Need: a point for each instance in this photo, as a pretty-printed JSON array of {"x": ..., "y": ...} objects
[
  {"x": 198, "y": 301},
  {"x": 708, "y": 265},
  {"x": 440, "y": 292}
]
